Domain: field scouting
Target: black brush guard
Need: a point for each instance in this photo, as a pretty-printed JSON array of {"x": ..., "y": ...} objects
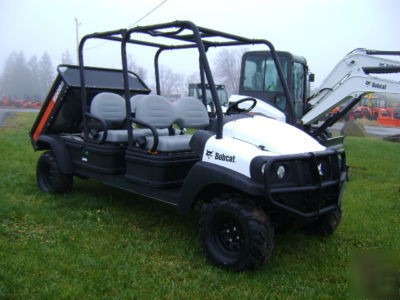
[{"x": 313, "y": 183}]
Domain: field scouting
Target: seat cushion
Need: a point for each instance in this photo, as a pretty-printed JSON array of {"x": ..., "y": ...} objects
[
  {"x": 121, "y": 135},
  {"x": 172, "y": 143}
]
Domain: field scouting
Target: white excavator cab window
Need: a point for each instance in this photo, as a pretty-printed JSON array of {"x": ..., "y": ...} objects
[
  {"x": 260, "y": 74},
  {"x": 298, "y": 88}
]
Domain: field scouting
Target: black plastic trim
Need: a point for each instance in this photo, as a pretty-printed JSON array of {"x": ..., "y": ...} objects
[
  {"x": 153, "y": 132},
  {"x": 199, "y": 140},
  {"x": 204, "y": 174},
  {"x": 103, "y": 125},
  {"x": 56, "y": 143}
]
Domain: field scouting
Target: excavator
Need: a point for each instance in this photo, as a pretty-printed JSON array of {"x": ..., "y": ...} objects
[{"x": 350, "y": 80}]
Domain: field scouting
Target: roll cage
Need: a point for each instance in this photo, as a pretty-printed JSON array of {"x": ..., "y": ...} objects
[{"x": 180, "y": 35}]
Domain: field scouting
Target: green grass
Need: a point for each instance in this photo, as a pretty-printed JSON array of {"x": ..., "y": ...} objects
[{"x": 100, "y": 242}]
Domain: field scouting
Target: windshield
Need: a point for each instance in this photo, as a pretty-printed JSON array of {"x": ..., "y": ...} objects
[{"x": 260, "y": 74}]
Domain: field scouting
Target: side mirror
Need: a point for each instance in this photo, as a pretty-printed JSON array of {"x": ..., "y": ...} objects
[{"x": 311, "y": 77}]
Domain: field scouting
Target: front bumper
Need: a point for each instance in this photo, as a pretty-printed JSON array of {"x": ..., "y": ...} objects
[{"x": 313, "y": 183}]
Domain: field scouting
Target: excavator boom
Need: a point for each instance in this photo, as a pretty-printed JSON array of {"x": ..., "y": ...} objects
[{"x": 351, "y": 79}]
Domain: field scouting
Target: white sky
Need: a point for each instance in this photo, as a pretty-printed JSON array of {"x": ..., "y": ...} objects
[{"x": 323, "y": 31}]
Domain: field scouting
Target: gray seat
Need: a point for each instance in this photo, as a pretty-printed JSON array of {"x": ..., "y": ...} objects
[
  {"x": 143, "y": 132},
  {"x": 186, "y": 113},
  {"x": 158, "y": 112},
  {"x": 155, "y": 110},
  {"x": 171, "y": 143},
  {"x": 191, "y": 113},
  {"x": 110, "y": 108},
  {"x": 134, "y": 100},
  {"x": 121, "y": 135}
]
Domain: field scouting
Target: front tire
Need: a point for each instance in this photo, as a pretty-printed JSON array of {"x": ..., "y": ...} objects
[
  {"x": 49, "y": 178},
  {"x": 326, "y": 225},
  {"x": 235, "y": 234}
]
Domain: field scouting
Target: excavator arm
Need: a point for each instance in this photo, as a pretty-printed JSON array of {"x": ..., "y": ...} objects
[{"x": 350, "y": 80}]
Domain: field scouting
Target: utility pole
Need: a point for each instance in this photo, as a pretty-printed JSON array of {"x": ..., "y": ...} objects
[{"x": 77, "y": 24}]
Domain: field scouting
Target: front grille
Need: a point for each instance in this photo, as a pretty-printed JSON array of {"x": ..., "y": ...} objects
[{"x": 311, "y": 184}]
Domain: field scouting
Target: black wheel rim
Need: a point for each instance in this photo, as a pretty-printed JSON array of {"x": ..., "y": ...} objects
[
  {"x": 46, "y": 174},
  {"x": 229, "y": 235}
]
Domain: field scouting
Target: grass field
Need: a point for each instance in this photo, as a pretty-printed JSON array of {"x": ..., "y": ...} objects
[{"x": 100, "y": 242}]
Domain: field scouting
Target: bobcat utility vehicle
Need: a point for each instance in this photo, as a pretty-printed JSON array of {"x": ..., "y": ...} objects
[{"x": 247, "y": 173}]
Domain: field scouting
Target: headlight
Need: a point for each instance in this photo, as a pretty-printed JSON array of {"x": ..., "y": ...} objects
[
  {"x": 320, "y": 169},
  {"x": 263, "y": 168},
  {"x": 281, "y": 171}
]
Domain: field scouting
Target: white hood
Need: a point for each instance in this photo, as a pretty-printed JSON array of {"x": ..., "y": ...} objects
[
  {"x": 272, "y": 135},
  {"x": 261, "y": 107}
]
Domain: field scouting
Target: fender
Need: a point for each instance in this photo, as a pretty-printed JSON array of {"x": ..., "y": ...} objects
[
  {"x": 55, "y": 143},
  {"x": 204, "y": 174}
]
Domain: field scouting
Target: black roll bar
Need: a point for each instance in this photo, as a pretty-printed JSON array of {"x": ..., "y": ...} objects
[
  {"x": 197, "y": 39},
  {"x": 108, "y": 35}
]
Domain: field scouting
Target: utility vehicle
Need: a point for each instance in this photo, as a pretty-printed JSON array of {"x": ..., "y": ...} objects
[{"x": 247, "y": 173}]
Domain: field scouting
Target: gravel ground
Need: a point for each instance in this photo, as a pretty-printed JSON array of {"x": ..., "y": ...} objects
[{"x": 5, "y": 111}]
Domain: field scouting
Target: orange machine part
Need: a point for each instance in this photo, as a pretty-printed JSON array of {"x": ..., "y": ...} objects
[{"x": 44, "y": 119}]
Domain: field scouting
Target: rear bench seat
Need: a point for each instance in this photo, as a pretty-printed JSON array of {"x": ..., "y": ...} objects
[
  {"x": 111, "y": 108},
  {"x": 187, "y": 112}
]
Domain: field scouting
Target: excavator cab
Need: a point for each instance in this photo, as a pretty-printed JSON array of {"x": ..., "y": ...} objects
[
  {"x": 259, "y": 78},
  {"x": 196, "y": 90}
]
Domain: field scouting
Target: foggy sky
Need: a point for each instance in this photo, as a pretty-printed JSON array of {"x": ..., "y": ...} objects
[{"x": 323, "y": 31}]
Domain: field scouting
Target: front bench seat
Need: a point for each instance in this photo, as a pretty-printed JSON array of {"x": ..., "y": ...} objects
[
  {"x": 187, "y": 112},
  {"x": 158, "y": 112}
]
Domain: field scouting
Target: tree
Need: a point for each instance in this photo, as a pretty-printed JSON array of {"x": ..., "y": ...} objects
[
  {"x": 136, "y": 68},
  {"x": 66, "y": 58},
  {"x": 34, "y": 85},
  {"x": 45, "y": 73},
  {"x": 171, "y": 82},
  {"x": 16, "y": 76},
  {"x": 2, "y": 94},
  {"x": 193, "y": 78},
  {"x": 227, "y": 68},
  {"x": 26, "y": 80}
]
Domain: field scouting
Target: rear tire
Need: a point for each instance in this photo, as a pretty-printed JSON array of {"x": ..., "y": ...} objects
[
  {"x": 49, "y": 178},
  {"x": 235, "y": 234}
]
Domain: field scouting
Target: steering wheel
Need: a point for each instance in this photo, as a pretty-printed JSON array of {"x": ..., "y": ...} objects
[{"x": 233, "y": 108}]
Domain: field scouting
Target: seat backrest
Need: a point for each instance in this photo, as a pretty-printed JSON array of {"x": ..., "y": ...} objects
[
  {"x": 155, "y": 110},
  {"x": 191, "y": 113},
  {"x": 109, "y": 106},
  {"x": 134, "y": 100}
]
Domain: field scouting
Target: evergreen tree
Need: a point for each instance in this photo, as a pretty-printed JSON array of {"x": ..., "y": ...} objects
[
  {"x": 2, "y": 94},
  {"x": 16, "y": 76},
  {"x": 45, "y": 74},
  {"x": 66, "y": 58},
  {"x": 33, "y": 65}
]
